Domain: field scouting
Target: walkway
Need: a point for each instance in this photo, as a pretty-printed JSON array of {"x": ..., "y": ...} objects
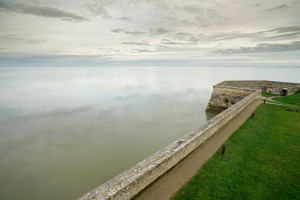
[
  {"x": 170, "y": 183},
  {"x": 269, "y": 100}
]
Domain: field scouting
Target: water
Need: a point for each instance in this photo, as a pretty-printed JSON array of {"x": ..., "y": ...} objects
[{"x": 65, "y": 131}]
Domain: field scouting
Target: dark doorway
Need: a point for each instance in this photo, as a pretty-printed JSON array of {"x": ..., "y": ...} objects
[
  {"x": 284, "y": 92},
  {"x": 226, "y": 101}
]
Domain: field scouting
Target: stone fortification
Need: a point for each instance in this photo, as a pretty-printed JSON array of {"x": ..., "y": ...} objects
[
  {"x": 224, "y": 97},
  {"x": 274, "y": 87},
  {"x": 227, "y": 93},
  {"x": 129, "y": 183}
]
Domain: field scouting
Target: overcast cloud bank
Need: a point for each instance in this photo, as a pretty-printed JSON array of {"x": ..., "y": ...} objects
[{"x": 111, "y": 31}]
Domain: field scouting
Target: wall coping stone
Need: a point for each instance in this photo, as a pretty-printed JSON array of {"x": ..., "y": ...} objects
[{"x": 235, "y": 88}]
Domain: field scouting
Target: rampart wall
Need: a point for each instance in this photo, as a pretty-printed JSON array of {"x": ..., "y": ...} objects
[
  {"x": 129, "y": 183},
  {"x": 274, "y": 87},
  {"x": 227, "y": 93},
  {"x": 223, "y": 97}
]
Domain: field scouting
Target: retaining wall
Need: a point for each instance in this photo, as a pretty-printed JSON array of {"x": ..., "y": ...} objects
[
  {"x": 129, "y": 183},
  {"x": 223, "y": 97}
]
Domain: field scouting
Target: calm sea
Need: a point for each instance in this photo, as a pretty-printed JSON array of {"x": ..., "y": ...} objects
[{"x": 65, "y": 131}]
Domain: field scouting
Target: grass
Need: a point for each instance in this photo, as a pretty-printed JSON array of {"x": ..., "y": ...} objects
[
  {"x": 264, "y": 94},
  {"x": 284, "y": 104},
  {"x": 291, "y": 99},
  {"x": 261, "y": 161}
]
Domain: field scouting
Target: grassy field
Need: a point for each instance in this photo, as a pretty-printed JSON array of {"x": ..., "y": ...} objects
[
  {"x": 261, "y": 161},
  {"x": 292, "y": 99},
  {"x": 264, "y": 94}
]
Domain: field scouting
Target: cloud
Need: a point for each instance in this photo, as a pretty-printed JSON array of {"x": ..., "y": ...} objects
[
  {"x": 285, "y": 29},
  {"x": 159, "y": 31},
  {"x": 131, "y": 96},
  {"x": 192, "y": 9},
  {"x": 191, "y": 38},
  {"x": 263, "y": 47},
  {"x": 124, "y": 19},
  {"x": 282, "y": 33},
  {"x": 203, "y": 15},
  {"x": 117, "y": 30},
  {"x": 17, "y": 39},
  {"x": 142, "y": 50},
  {"x": 43, "y": 11},
  {"x": 98, "y": 10},
  {"x": 127, "y": 32},
  {"x": 179, "y": 22},
  {"x": 280, "y": 7},
  {"x": 143, "y": 43},
  {"x": 179, "y": 29},
  {"x": 174, "y": 43},
  {"x": 290, "y": 35},
  {"x": 11, "y": 37}
]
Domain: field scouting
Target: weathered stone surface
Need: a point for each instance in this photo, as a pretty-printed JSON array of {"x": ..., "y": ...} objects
[
  {"x": 223, "y": 97},
  {"x": 227, "y": 93},
  {"x": 274, "y": 87},
  {"x": 134, "y": 180}
]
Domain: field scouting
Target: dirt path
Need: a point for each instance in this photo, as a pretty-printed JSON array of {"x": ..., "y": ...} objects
[
  {"x": 278, "y": 104},
  {"x": 170, "y": 183},
  {"x": 269, "y": 100}
]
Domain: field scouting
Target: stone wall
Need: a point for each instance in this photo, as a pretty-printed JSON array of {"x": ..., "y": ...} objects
[
  {"x": 227, "y": 93},
  {"x": 274, "y": 87},
  {"x": 129, "y": 183},
  {"x": 223, "y": 97}
]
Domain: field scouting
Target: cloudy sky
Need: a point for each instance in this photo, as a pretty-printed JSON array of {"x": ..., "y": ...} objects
[{"x": 150, "y": 32}]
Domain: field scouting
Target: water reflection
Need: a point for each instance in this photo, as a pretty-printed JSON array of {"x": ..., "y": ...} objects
[{"x": 64, "y": 131}]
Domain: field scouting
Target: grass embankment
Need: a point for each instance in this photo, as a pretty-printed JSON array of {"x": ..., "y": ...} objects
[
  {"x": 261, "y": 161},
  {"x": 292, "y": 99},
  {"x": 264, "y": 94}
]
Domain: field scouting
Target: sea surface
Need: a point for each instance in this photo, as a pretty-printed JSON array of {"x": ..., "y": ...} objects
[{"x": 65, "y": 131}]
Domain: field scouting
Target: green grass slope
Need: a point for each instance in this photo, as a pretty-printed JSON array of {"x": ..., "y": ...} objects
[
  {"x": 264, "y": 94},
  {"x": 291, "y": 99},
  {"x": 261, "y": 161}
]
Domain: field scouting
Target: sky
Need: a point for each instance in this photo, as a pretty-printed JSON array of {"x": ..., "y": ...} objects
[{"x": 150, "y": 32}]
